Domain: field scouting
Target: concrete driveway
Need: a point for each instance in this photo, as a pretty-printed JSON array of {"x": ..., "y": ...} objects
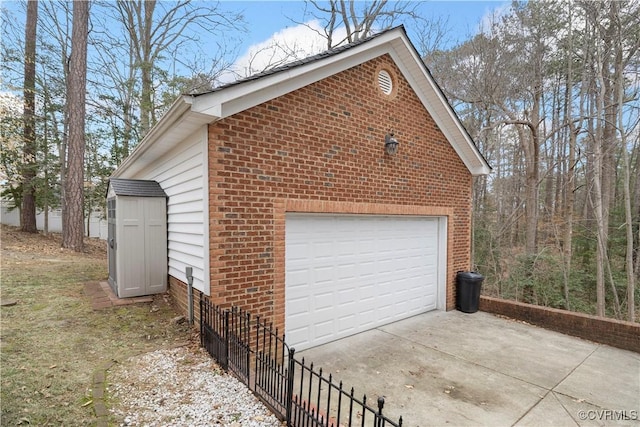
[{"x": 456, "y": 369}]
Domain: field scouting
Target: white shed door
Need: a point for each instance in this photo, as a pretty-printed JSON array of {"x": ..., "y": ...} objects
[{"x": 349, "y": 273}]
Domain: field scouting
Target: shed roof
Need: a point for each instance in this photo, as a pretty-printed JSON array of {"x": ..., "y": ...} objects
[
  {"x": 136, "y": 188},
  {"x": 190, "y": 112}
]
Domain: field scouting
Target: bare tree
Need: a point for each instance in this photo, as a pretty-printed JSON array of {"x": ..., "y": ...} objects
[
  {"x": 349, "y": 21},
  {"x": 433, "y": 35},
  {"x": 549, "y": 74},
  {"x": 55, "y": 42},
  {"x": 153, "y": 28},
  {"x": 570, "y": 172},
  {"x": 72, "y": 233},
  {"x": 29, "y": 169},
  {"x": 619, "y": 67}
]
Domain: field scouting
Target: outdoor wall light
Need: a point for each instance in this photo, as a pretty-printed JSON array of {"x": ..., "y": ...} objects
[{"x": 390, "y": 144}]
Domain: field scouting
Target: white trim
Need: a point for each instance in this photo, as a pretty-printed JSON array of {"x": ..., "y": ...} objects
[
  {"x": 439, "y": 108},
  {"x": 441, "y": 297},
  {"x": 240, "y": 97},
  {"x": 206, "y": 280}
]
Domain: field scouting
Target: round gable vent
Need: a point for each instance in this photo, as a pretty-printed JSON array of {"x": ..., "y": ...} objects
[{"x": 385, "y": 82}]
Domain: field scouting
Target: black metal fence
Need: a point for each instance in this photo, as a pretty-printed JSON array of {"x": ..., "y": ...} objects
[{"x": 258, "y": 355}]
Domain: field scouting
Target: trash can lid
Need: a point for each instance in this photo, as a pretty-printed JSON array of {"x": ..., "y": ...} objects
[{"x": 472, "y": 275}]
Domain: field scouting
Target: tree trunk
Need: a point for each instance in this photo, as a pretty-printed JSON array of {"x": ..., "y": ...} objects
[
  {"x": 29, "y": 168},
  {"x": 636, "y": 204},
  {"x": 532, "y": 178},
  {"x": 146, "y": 70},
  {"x": 626, "y": 182},
  {"x": 600, "y": 237},
  {"x": 629, "y": 231},
  {"x": 569, "y": 199},
  {"x": 73, "y": 233}
]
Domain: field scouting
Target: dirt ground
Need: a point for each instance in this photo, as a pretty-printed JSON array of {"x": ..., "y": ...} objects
[
  {"x": 27, "y": 247},
  {"x": 52, "y": 341}
]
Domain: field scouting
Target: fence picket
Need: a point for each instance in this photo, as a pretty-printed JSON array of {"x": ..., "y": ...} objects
[{"x": 226, "y": 335}]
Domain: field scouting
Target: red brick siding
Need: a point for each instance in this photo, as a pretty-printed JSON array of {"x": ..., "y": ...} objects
[
  {"x": 179, "y": 299},
  {"x": 323, "y": 144},
  {"x": 616, "y": 333}
]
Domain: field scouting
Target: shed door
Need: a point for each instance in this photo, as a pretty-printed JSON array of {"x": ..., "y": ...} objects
[
  {"x": 142, "y": 247},
  {"x": 349, "y": 273},
  {"x": 111, "y": 241},
  {"x": 131, "y": 251}
]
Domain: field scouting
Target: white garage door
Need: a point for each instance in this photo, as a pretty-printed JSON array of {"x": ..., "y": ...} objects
[{"x": 349, "y": 273}]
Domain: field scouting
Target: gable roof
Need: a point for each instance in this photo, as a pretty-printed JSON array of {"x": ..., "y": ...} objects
[
  {"x": 136, "y": 187},
  {"x": 189, "y": 112},
  {"x": 293, "y": 64}
]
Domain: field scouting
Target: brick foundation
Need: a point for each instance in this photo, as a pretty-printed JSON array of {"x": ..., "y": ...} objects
[
  {"x": 616, "y": 333},
  {"x": 179, "y": 299}
]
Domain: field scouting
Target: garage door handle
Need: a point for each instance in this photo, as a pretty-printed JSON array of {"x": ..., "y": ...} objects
[{"x": 111, "y": 243}]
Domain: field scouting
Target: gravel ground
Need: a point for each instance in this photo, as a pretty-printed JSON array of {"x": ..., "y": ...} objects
[{"x": 181, "y": 387}]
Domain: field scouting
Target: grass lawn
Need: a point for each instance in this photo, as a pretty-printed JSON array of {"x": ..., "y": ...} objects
[{"x": 52, "y": 341}]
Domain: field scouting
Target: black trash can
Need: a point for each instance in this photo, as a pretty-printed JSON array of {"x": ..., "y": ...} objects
[{"x": 468, "y": 288}]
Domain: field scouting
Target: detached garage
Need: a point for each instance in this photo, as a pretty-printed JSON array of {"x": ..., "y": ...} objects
[{"x": 330, "y": 196}]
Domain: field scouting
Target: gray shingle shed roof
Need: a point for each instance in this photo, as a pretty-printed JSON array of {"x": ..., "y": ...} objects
[{"x": 136, "y": 187}]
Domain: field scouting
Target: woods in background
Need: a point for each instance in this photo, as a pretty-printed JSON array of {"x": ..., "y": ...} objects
[
  {"x": 548, "y": 90},
  {"x": 550, "y": 94}
]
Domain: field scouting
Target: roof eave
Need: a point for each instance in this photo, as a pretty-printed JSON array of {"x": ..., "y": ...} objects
[
  {"x": 235, "y": 99},
  {"x": 179, "y": 120},
  {"x": 438, "y": 106}
]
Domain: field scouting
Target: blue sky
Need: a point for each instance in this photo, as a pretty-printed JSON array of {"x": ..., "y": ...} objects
[
  {"x": 267, "y": 17},
  {"x": 271, "y": 22}
]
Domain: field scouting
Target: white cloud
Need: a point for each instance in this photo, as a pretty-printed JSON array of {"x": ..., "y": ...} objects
[
  {"x": 287, "y": 45},
  {"x": 491, "y": 16}
]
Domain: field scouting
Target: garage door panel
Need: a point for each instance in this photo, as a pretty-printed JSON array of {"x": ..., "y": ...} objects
[
  {"x": 347, "y": 271},
  {"x": 323, "y": 300},
  {"x": 324, "y": 331},
  {"x": 297, "y": 335},
  {"x": 361, "y": 272},
  {"x": 298, "y": 307},
  {"x": 347, "y": 325},
  {"x": 322, "y": 274}
]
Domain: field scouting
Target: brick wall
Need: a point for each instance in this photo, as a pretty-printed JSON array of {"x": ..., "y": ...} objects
[
  {"x": 320, "y": 149},
  {"x": 616, "y": 333},
  {"x": 179, "y": 299}
]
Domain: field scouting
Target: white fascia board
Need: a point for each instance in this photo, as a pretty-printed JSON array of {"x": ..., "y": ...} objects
[
  {"x": 438, "y": 106},
  {"x": 177, "y": 123},
  {"x": 235, "y": 99}
]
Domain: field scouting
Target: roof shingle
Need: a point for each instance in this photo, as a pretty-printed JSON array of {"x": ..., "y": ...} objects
[{"x": 136, "y": 187}]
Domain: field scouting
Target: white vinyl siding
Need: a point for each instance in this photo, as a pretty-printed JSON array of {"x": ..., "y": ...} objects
[{"x": 181, "y": 174}]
